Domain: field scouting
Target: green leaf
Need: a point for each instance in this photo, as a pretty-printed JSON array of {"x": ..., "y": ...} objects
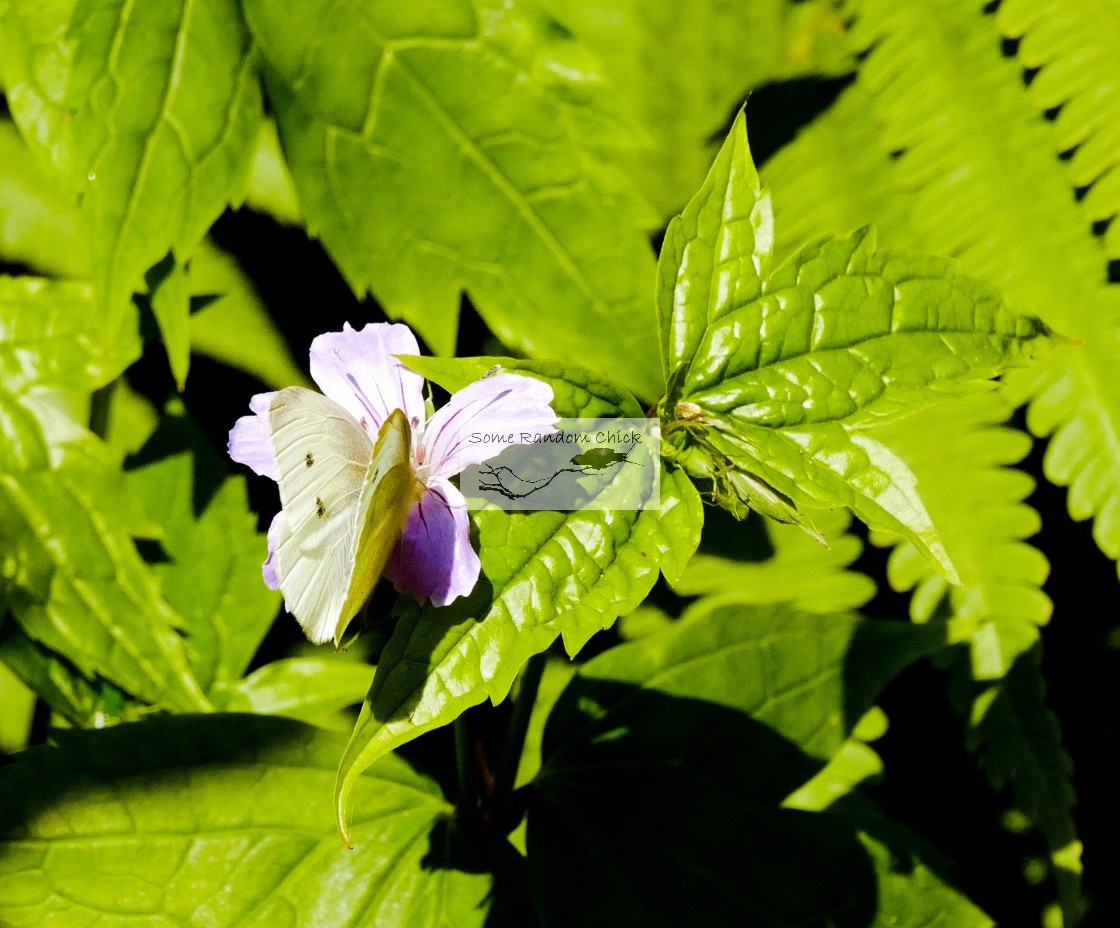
[
  {"x": 236, "y": 328},
  {"x": 796, "y": 568},
  {"x": 75, "y": 698},
  {"x": 171, "y": 306},
  {"x": 310, "y": 689},
  {"x": 964, "y": 164},
  {"x": 842, "y": 333},
  {"x": 978, "y": 504},
  {"x": 41, "y": 228},
  {"x": 192, "y": 820},
  {"x": 50, "y": 337},
  {"x": 852, "y": 763},
  {"x": 554, "y": 679},
  {"x": 132, "y": 419},
  {"x": 726, "y": 712},
  {"x": 271, "y": 189},
  {"x": 38, "y": 226},
  {"x": 212, "y": 571},
  {"x": 682, "y": 68},
  {"x": 72, "y": 577},
  {"x": 167, "y": 112},
  {"x": 504, "y": 203},
  {"x": 1074, "y": 48},
  {"x": 576, "y": 392},
  {"x": 772, "y": 378},
  {"x": 716, "y": 254},
  {"x": 17, "y": 706},
  {"x": 1020, "y": 746},
  {"x": 36, "y": 68},
  {"x": 834, "y": 177},
  {"x": 83, "y": 591},
  {"x": 544, "y": 575}
]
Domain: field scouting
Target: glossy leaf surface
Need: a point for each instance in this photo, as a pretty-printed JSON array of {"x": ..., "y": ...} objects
[{"x": 544, "y": 575}]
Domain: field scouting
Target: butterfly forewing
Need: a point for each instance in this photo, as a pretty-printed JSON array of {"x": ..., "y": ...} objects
[
  {"x": 385, "y": 500},
  {"x": 322, "y": 458}
]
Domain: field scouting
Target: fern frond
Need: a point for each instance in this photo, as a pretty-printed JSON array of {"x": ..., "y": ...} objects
[
  {"x": 835, "y": 177},
  {"x": 964, "y": 142},
  {"x": 800, "y": 570},
  {"x": 1020, "y": 745},
  {"x": 936, "y": 142},
  {"x": 962, "y": 454},
  {"x": 1076, "y": 47},
  {"x": 969, "y": 144}
]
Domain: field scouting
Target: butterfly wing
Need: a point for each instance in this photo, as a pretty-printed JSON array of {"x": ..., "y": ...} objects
[
  {"x": 322, "y": 457},
  {"x": 386, "y": 498}
]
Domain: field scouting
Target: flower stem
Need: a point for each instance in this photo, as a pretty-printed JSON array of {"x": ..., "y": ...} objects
[{"x": 506, "y": 774}]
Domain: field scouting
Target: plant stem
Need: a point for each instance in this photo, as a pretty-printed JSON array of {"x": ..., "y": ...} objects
[{"x": 506, "y": 773}]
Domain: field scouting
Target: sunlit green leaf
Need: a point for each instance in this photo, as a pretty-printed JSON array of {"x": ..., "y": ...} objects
[
  {"x": 171, "y": 306},
  {"x": 978, "y": 504},
  {"x": 962, "y": 169},
  {"x": 212, "y": 574},
  {"x": 42, "y": 228},
  {"x": 168, "y": 109},
  {"x": 716, "y": 254},
  {"x": 726, "y": 713},
  {"x": 1074, "y": 48},
  {"x": 192, "y": 820},
  {"x": 305, "y": 688},
  {"x": 834, "y": 177},
  {"x": 72, "y": 577},
  {"x": 843, "y": 333},
  {"x": 84, "y": 592},
  {"x": 17, "y": 706},
  {"x": 684, "y": 68},
  {"x": 555, "y": 677},
  {"x": 39, "y": 227},
  {"x": 131, "y": 420},
  {"x": 271, "y": 188},
  {"x": 544, "y": 575},
  {"x": 779, "y": 374},
  {"x": 763, "y": 561},
  {"x": 50, "y": 337},
  {"x": 503, "y": 202},
  {"x": 36, "y": 72},
  {"x": 72, "y": 696}
]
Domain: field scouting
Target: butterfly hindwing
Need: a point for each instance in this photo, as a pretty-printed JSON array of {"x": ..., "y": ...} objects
[
  {"x": 386, "y": 497},
  {"x": 322, "y": 457}
]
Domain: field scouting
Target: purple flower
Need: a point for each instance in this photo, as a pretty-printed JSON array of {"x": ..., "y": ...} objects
[{"x": 358, "y": 370}]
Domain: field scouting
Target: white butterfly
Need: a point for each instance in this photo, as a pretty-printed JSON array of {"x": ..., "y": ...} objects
[{"x": 345, "y": 500}]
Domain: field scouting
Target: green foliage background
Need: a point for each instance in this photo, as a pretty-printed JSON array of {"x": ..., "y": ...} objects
[{"x": 191, "y": 190}]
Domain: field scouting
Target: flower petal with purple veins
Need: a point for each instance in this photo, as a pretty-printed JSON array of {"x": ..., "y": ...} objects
[
  {"x": 249, "y": 441},
  {"x": 524, "y": 401},
  {"x": 434, "y": 558},
  {"x": 268, "y": 568},
  {"x": 357, "y": 369}
]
